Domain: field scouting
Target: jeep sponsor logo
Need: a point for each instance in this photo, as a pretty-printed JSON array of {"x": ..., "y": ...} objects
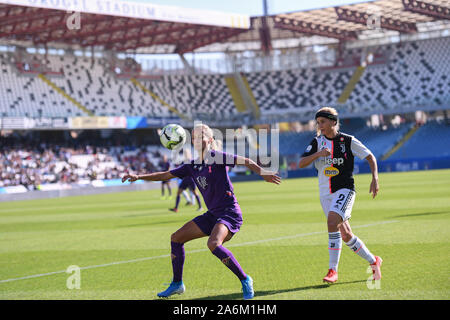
[
  {"x": 337, "y": 161},
  {"x": 331, "y": 171}
]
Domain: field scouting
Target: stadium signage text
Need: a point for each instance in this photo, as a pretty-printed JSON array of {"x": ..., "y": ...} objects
[
  {"x": 98, "y": 123},
  {"x": 21, "y": 123},
  {"x": 141, "y": 11}
]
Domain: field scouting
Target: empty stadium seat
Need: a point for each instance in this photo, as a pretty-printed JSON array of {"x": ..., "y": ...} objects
[
  {"x": 429, "y": 141},
  {"x": 415, "y": 76},
  {"x": 29, "y": 96}
]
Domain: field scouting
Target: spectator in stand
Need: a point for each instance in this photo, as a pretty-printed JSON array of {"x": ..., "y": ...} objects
[{"x": 31, "y": 164}]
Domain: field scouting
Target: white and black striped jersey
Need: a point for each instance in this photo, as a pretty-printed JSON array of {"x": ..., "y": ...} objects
[{"x": 336, "y": 171}]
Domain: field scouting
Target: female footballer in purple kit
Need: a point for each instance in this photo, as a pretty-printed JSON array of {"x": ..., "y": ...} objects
[
  {"x": 333, "y": 153},
  {"x": 224, "y": 216}
]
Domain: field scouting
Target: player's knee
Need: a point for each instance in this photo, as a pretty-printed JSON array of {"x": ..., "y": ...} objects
[
  {"x": 175, "y": 237},
  {"x": 213, "y": 244},
  {"x": 333, "y": 221},
  {"x": 346, "y": 236}
]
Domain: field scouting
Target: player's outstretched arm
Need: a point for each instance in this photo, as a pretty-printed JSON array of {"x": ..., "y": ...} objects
[
  {"x": 374, "y": 168},
  {"x": 268, "y": 176},
  {"x": 156, "y": 176}
]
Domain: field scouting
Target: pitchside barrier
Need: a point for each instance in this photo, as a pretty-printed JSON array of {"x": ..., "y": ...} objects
[
  {"x": 102, "y": 186},
  {"x": 115, "y": 185},
  {"x": 362, "y": 167}
]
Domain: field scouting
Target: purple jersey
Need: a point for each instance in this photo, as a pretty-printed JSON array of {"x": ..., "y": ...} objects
[{"x": 211, "y": 178}]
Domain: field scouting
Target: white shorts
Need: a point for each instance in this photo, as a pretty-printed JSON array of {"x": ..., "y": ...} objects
[{"x": 340, "y": 202}]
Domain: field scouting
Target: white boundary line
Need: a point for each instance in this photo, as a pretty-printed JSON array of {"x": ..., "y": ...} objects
[{"x": 192, "y": 251}]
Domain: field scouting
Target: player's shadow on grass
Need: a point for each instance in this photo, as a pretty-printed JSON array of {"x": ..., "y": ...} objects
[
  {"x": 421, "y": 214},
  {"x": 237, "y": 296}
]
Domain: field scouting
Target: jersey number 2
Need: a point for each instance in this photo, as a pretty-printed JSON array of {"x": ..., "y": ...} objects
[{"x": 341, "y": 197}]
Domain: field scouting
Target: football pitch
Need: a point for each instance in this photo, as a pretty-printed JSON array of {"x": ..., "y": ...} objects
[{"x": 121, "y": 243}]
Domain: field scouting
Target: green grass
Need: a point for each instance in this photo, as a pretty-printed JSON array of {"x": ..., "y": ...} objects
[{"x": 282, "y": 244}]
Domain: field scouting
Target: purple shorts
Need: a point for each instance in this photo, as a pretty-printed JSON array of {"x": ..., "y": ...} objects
[
  {"x": 187, "y": 183},
  {"x": 229, "y": 217}
]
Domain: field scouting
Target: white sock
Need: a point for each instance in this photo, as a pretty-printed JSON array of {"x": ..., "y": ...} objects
[
  {"x": 192, "y": 197},
  {"x": 186, "y": 195},
  {"x": 360, "y": 249},
  {"x": 334, "y": 249}
]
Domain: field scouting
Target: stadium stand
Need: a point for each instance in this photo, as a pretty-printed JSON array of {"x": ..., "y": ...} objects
[
  {"x": 414, "y": 76},
  {"x": 293, "y": 89},
  {"x": 292, "y": 143},
  {"x": 380, "y": 141},
  {"x": 28, "y": 96},
  {"x": 93, "y": 85},
  {"x": 199, "y": 94},
  {"x": 32, "y": 163},
  {"x": 430, "y": 141}
]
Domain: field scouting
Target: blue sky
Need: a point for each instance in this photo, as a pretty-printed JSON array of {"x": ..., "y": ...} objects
[{"x": 251, "y": 7}]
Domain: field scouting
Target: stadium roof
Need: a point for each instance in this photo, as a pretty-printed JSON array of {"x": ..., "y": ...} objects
[
  {"x": 115, "y": 24},
  {"x": 345, "y": 23},
  {"x": 122, "y": 26}
]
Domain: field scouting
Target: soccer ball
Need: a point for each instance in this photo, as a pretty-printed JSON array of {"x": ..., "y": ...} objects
[{"x": 172, "y": 136}]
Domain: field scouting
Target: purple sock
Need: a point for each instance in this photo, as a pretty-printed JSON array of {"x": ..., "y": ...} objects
[
  {"x": 230, "y": 261},
  {"x": 177, "y": 255},
  {"x": 177, "y": 202}
]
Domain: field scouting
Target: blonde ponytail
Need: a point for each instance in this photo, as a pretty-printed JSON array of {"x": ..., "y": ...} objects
[{"x": 207, "y": 131}]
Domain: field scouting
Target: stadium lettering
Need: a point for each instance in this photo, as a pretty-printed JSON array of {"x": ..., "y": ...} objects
[
  {"x": 150, "y": 12},
  {"x": 117, "y": 8},
  {"x": 100, "y": 7},
  {"x": 190, "y": 310}
]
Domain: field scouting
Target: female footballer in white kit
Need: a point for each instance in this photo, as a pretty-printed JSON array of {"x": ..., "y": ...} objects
[{"x": 332, "y": 153}]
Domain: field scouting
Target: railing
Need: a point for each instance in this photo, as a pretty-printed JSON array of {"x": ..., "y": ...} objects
[{"x": 229, "y": 64}]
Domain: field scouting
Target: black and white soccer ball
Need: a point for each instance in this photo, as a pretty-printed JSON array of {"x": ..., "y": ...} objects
[{"x": 172, "y": 136}]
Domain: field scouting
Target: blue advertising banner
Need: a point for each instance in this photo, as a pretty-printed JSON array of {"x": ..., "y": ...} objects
[
  {"x": 136, "y": 122},
  {"x": 363, "y": 167}
]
